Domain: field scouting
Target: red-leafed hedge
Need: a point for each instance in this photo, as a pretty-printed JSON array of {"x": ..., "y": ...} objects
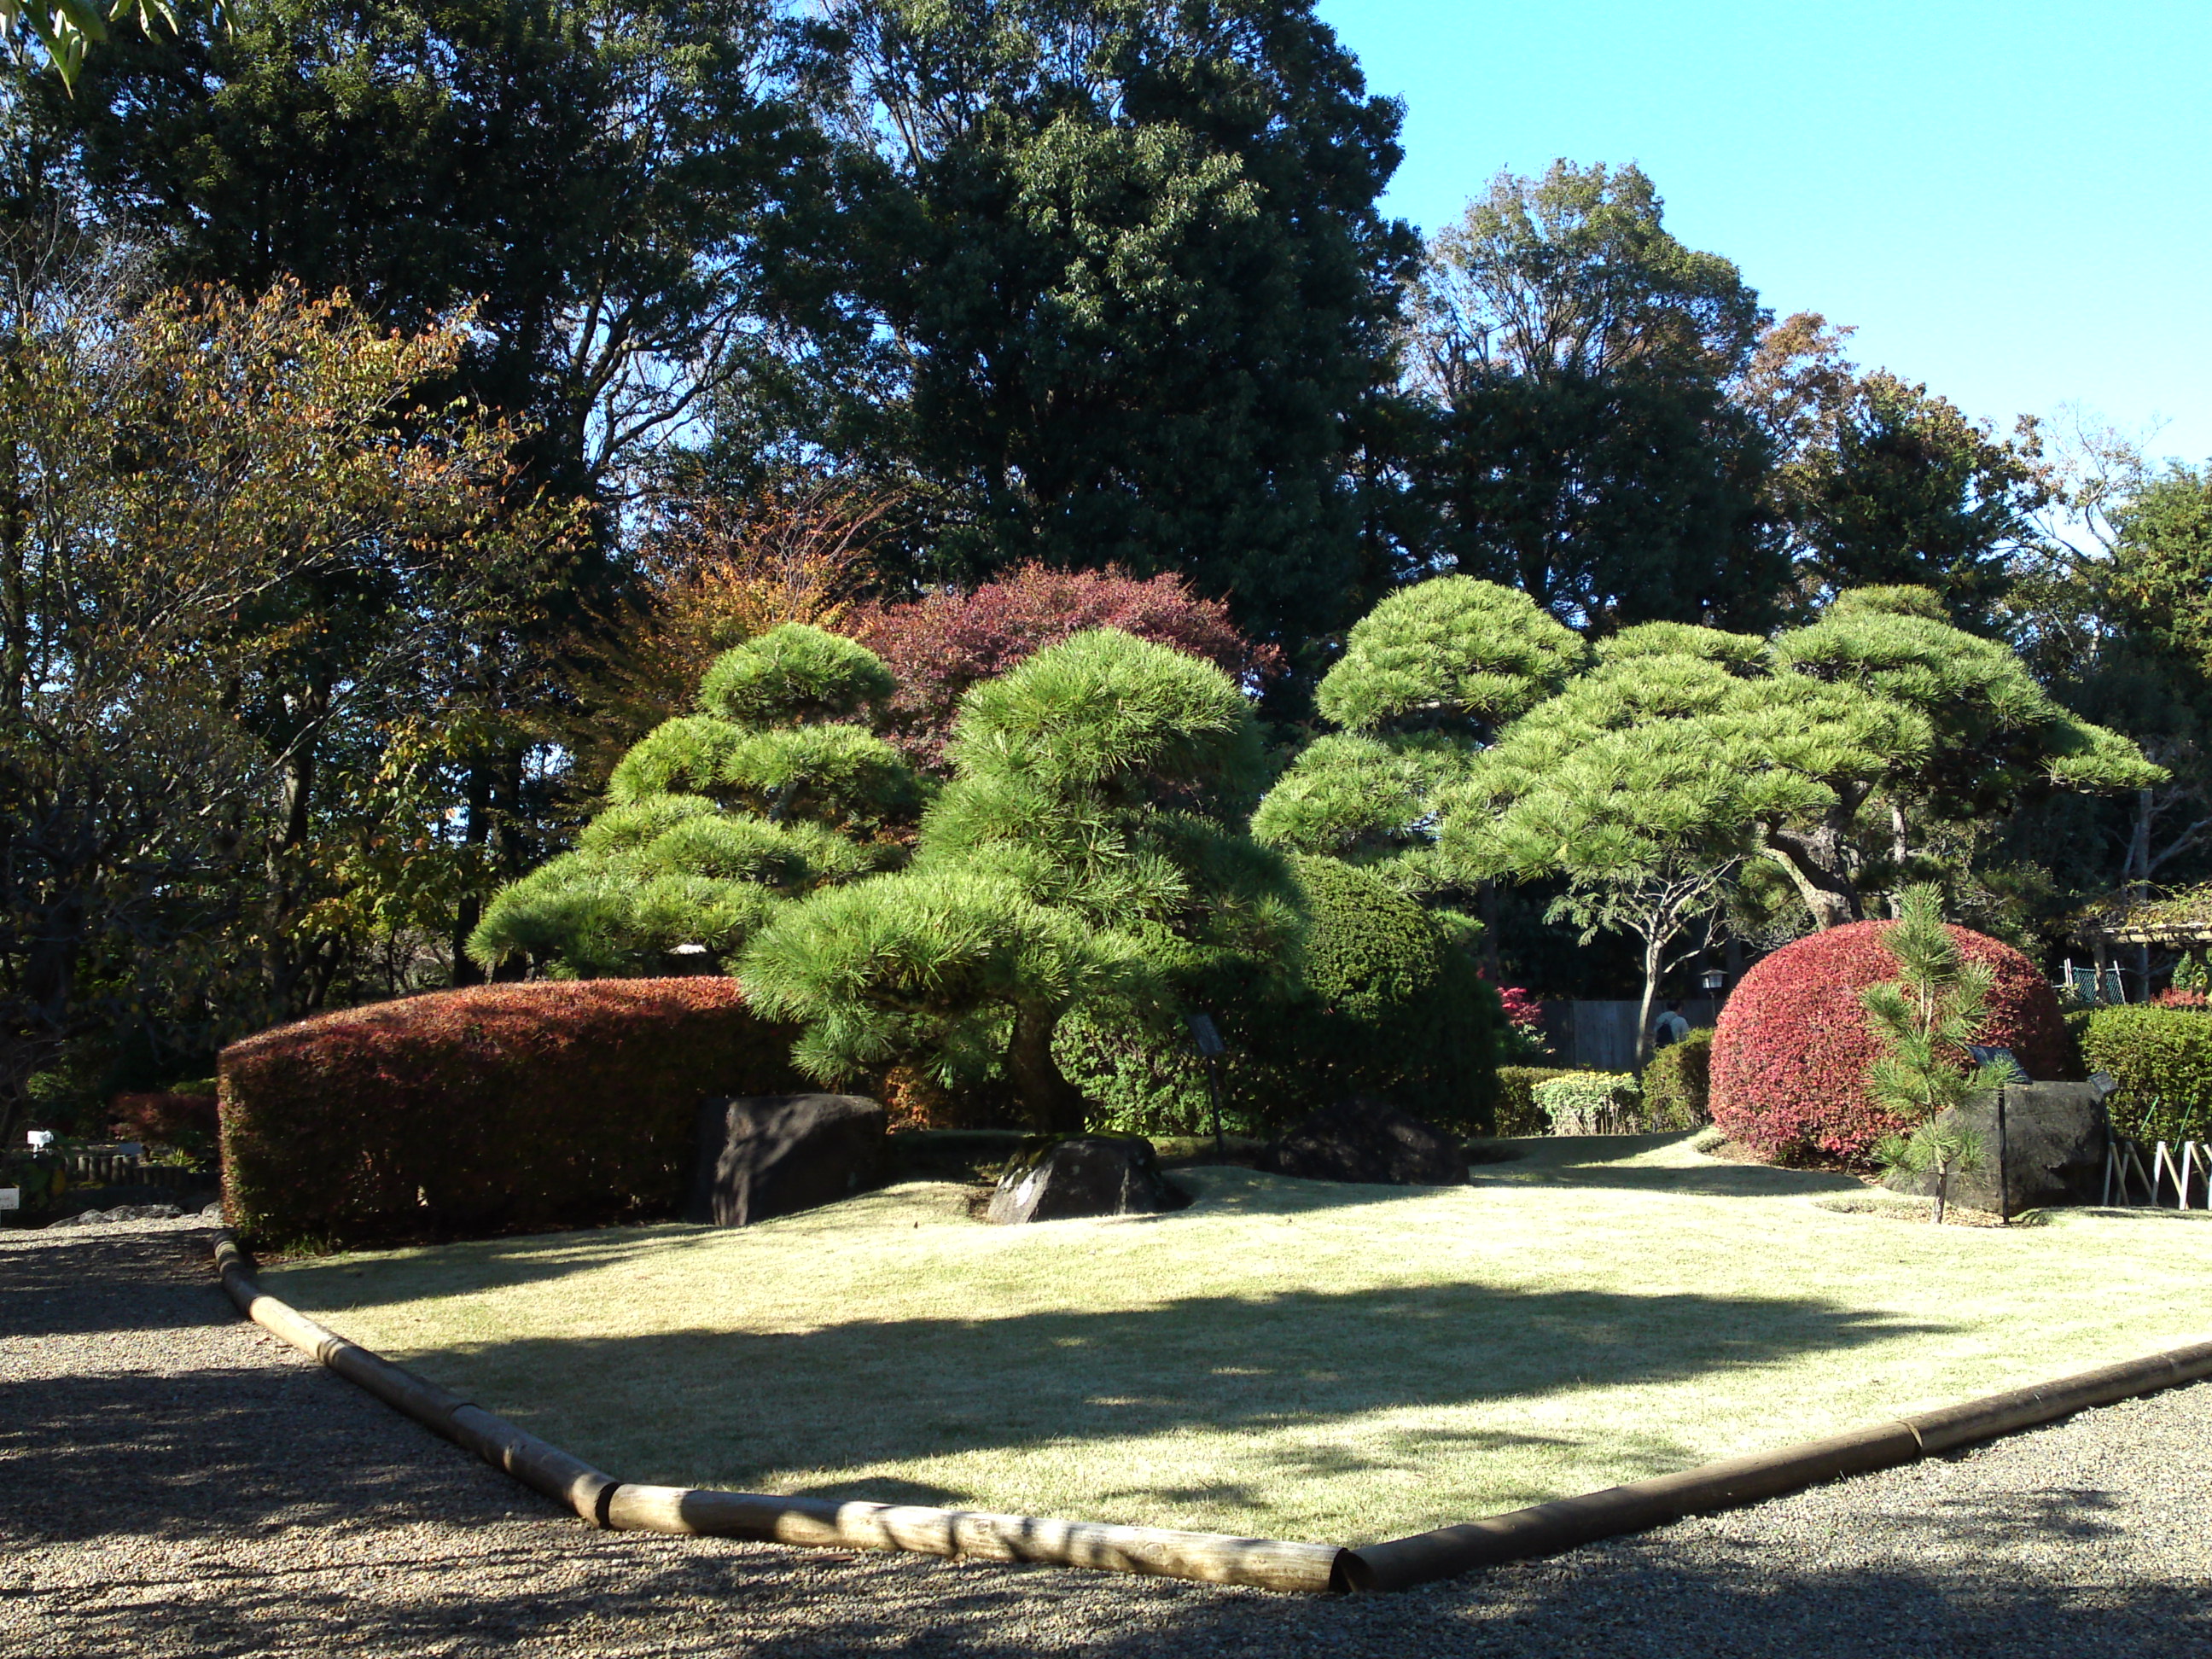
[
  {"x": 1790, "y": 1054},
  {"x": 501, "y": 1109}
]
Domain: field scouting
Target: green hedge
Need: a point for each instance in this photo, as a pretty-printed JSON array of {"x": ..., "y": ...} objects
[
  {"x": 1518, "y": 1113},
  {"x": 2162, "y": 1058},
  {"x": 499, "y": 1108},
  {"x": 1678, "y": 1084}
]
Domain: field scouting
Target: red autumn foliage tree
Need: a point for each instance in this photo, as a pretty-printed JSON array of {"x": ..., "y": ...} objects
[
  {"x": 1791, "y": 1051},
  {"x": 941, "y": 645}
]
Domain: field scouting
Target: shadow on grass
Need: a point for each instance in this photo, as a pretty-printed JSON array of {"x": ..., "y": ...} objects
[{"x": 735, "y": 1407}]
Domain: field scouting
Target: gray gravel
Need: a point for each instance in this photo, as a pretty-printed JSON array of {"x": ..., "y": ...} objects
[{"x": 173, "y": 1480}]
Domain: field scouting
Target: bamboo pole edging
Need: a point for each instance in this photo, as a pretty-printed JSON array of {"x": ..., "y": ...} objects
[
  {"x": 1548, "y": 1529},
  {"x": 814, "y": 1522},
  {"x": 1264, "y": 1563}
]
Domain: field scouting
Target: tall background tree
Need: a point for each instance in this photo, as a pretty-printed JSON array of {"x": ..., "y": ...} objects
[
  {"x": 1127, "y": 264},
  {"x": 1579, "y": 359},
  {"x": 201, "y": 500}
]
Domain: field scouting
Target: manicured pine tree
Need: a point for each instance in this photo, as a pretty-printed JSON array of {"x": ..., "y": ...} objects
[
  {"x": 1088, "y": 845},
  {"x": 1425, "y": 680},
  {"x": 776, "y": 788}
]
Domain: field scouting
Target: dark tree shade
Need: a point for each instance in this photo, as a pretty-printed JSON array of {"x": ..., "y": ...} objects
[{"x": 1131, "y": 258}]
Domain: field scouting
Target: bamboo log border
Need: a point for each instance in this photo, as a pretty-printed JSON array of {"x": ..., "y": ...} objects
[
  {"x": 1212, "y": 1558},
  {"x": 1547, "y": 1529},
  {"x": 817, "y": 1523}
]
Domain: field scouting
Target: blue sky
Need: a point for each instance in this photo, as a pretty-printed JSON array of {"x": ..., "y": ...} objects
[{"x": 2012, "y": 203}]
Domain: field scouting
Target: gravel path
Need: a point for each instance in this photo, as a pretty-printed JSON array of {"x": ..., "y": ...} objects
[{"x": 175, "y": 1481}]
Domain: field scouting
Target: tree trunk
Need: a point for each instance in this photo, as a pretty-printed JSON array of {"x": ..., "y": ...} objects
[
  {"x": 1942, "y": 1190},
  {"x": 1052, "y": 1104},
  {"x": 2138, "y": 880},
  {"x": 469, "y": 910},
  {"x": 1900, "y": 850},
  {"x": 1654, "y": 964},
  {"x": 1485, "y": 893}
]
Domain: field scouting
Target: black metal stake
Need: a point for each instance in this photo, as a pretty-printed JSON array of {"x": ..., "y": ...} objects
[{"x": 1203, "y": 1033}]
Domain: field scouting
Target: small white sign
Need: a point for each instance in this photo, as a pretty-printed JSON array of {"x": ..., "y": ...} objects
[
  {"x": 11, "y": 1198},
  {"x": 40, "y": 1139}
]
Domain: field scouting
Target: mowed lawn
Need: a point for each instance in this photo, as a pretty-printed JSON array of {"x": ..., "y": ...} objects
[{"x": 1292, "y": 1359}]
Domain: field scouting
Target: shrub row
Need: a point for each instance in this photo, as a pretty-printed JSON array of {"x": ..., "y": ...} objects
[
  {"x": 498, "y": 1108},
  {"x": 1678, "y": 1084},
  {"x": 2162, "y": 1060},
  {"x": 1591, "y": 1103},
  {"x": 1518, "y": 1113}
]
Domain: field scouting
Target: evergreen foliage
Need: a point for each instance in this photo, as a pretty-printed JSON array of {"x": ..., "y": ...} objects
[
  {"x": 2162, "y": 1060},
  {"x": 1923, "y": 1020},
  {"x": 1678, "y": 1083},
  {"x": 1579, "y": 362},
  {"x": 716, "y": 820},
  {"x": 1129, "y": 260},
  {"x": 1083, "y": 848},
  {"x": 1427, "y": 678},
  {"x": 1905, "y": 489},
  {"x": 1384, "y": 1003},
  {"x": 1680, "y": 749}
]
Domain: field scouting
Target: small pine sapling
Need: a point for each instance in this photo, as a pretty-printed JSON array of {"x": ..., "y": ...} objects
[{"x": 1925, "y": 1019}]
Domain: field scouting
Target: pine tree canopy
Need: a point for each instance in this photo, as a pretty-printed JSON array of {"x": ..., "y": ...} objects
[
  {"x": 1086, "y": 844},
  {"x": 716, "y": 820}
]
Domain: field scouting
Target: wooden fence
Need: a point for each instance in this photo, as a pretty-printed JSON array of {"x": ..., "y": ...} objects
[{"x": 1601, "y": 1036}]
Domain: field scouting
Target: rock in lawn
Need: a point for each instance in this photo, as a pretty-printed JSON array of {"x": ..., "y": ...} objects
[
  {"x": 2048, "y": 1150},
  {"x": 1368, "y": 1140},
  {"x": 769, "y": 1155},
  {"x": 1084, "y": 1175}
]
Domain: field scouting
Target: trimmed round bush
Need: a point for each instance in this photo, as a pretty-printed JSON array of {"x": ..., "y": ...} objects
[
  {"x": 1391, "y": 1008},
  {"x": 1678, "y": 1084},
  {"x": 2162, "y": 1058},
  {"x": 499, "y": 1109},
  {"x": 1790, "y": 1052}
]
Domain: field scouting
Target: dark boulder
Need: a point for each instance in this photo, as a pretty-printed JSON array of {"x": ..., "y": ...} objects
[
  {"x": 2047, "y": 1149},
  {"x": 1368, "y": 1140},
  {"x": 1084, "y": 1175},
  {"x": 760, "y": 1156}
]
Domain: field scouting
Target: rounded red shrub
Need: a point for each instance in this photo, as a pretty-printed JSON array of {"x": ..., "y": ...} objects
[
  {"x": 499, "y": 1109},
  {"x": 1790, "y": 1054}
]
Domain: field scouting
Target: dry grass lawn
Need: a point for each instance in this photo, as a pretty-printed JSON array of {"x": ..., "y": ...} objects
[{"x": 1301, "y": 1360}]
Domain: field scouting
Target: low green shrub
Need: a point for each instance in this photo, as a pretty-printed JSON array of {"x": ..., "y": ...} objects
[
  {"x": 1677, "y": 1083},
  {"x": 1591, "y": 1104},
  {"x": 1518, "y": 1113},
  {"x": 499, "y": 1108},
  {"x": 2162, "y": 1060}
]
